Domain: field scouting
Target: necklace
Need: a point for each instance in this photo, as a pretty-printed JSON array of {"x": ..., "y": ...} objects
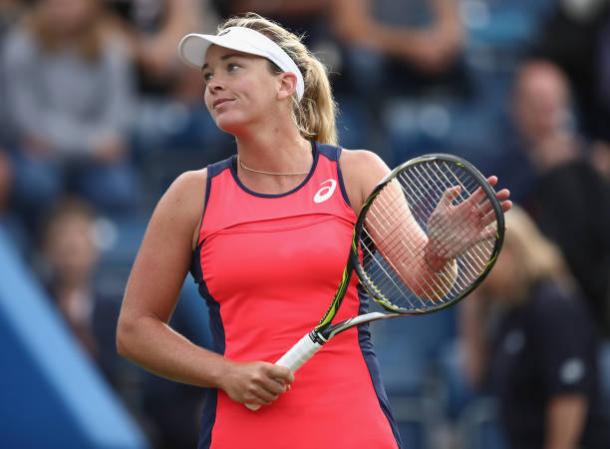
[{"x": 270, "y": 173}]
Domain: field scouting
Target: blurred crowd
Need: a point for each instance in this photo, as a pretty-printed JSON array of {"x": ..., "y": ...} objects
[{"x": 98, "y": 116}]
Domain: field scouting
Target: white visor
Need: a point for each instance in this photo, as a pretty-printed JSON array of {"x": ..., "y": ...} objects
[{"x": 193, "y": 47}]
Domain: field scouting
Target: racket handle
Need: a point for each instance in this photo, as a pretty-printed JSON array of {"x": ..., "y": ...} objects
[{"x": 302, "y": 351}]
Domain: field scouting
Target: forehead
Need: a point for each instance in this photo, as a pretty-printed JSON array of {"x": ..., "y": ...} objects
[{"x": 216, "y": 53}]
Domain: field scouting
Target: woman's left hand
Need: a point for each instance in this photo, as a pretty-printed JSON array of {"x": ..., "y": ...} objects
[{"x": 453, "y": 229}]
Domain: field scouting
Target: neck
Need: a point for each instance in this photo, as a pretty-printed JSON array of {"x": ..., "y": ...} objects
[{"x": 274, "y": 153}]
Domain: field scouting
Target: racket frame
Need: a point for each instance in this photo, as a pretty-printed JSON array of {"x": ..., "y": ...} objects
[{"x": 326, "y": 330}]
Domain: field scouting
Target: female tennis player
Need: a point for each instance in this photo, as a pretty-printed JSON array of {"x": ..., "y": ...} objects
[{"x": 265, "y": 233}]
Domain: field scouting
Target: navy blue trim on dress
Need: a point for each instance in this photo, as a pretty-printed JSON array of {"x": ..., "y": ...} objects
[
  {"x": 212, "y": 170},
  {"x": 314, "y": 151},
  {"x": 208, "y": 415},
  {"x": 195, "y": 268},
  {"x": 366, "y": 346},
  {"x": 208, "y": 418},
  {"x": 334, "y": 154}
]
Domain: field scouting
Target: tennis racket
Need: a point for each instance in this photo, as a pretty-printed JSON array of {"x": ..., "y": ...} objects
[{"x": 426, "y": 236}]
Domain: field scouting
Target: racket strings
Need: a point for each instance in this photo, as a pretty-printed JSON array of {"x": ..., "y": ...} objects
[
  {"x": 396, "y": 240},
  {"x": 455, "y": 237},
  {"x": 443, "y": 279},
  {"x": 394, "y": 253},
  {"x": 457, "y": 228}
]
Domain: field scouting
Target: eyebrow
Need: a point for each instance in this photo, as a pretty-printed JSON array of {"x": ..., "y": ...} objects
[{"x": 223, "y": 58}]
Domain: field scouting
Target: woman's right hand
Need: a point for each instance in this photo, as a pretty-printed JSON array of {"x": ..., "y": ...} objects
[{"x": 256, "y": 383}]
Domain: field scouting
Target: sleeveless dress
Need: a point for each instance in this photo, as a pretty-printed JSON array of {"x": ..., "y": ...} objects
[{"x": 268, "y": 267}]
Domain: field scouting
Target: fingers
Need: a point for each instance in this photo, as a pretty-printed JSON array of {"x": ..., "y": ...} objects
[
  {"x": 271, "y": 383},
  {"x": 502, "y": 195},
  {"x": 281, "y": 373},
  {"x": 269, "y": 391},
  {"x": 450, "y": 194},
  {"x": 277, "y": 380},
  {"x": 258, "y": 383}
]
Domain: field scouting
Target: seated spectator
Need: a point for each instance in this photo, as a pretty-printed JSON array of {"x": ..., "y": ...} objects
[
  {"x": 169, "y": 116},
  {"x": 68, "y": 260},
  {"x": 576, "y": 37},
  {"x": 400, "y": 47},
  {"x": 543, "y": 161},
  {"x": 151, "y": 31},
  {"x": 303, "y": 18},
  {"x": 68, "y": 265},
  {"x": 529, "y": 336},
  {"x": 70, "y": 96}
]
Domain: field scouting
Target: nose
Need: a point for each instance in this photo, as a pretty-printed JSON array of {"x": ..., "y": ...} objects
[{"x": 215, "y": 85}]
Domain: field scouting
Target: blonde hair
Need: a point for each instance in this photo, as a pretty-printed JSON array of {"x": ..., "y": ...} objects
[
  {"x": 537, "y": 257},
  {"x": 315, "y": 114}
]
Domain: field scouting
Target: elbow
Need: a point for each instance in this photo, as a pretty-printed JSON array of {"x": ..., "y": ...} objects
[{"x": 124, "y": 337}]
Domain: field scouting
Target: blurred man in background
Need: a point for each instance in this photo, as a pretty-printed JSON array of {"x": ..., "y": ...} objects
[{"x": 545, "y": 164}]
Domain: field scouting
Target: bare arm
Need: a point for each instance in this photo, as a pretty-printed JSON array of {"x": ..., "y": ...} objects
[
  {"x": 143, "y": 333},
  {"x": 409, "y": 252},
  {"x": 406, "y": 246},
  {"x": 565, "y": 419}
]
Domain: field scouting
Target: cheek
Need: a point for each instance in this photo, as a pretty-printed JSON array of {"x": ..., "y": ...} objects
[{"x": 206, "y": 98}]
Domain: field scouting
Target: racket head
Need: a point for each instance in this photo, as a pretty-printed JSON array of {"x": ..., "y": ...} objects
[{"x": 424, "y": 183}]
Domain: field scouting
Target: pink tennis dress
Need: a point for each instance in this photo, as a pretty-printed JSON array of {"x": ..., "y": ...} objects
[{"x": 268, "y": 266}]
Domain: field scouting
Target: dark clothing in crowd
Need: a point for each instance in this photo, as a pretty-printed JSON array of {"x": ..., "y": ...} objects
[
  {"x": 543, "y": 349},
  {"x": 571, "y": 206}
]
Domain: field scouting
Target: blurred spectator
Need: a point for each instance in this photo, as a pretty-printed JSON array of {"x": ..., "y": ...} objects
[
  {"x": 308, "y": 18},
  {"x": 68, "y": 260},
  {"x": 544, "y": 162},
  {"x": 405, "y": 47},
  {"x": 152, "y": 30},
  {"x": 529, "y": 335},
  {"x": 171, "y": 124},
  {"x": 70, "y": 97},
  {"x": 68, "y": 265},
  {"x": 577, "y": 38}
]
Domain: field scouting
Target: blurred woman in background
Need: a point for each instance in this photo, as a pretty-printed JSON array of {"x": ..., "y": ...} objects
[{"x": 540, "y": 354}]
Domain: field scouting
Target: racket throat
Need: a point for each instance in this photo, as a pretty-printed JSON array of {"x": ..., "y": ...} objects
[{"x": 319, "y": 337}]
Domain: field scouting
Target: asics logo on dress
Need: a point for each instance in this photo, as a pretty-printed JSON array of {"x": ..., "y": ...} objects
[{"x": 326, "y": 191}]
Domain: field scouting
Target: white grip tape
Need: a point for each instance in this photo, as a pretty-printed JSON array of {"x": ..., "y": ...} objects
[
  {"x": 299, "y": 353},
  {"x": 302, "y": 351}
]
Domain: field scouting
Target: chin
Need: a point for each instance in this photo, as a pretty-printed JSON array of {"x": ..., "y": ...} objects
[{"x": 231, "y": 125}]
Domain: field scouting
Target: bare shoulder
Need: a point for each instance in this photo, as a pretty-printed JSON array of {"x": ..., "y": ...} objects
[
  {"x": 188, "y": 189},
  {"x": 362, "y": 170},
  {"x": 165, "y": 253},
  {"x": 182, "y": 204}
]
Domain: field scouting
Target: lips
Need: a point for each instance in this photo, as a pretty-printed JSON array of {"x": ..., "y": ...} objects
[{"x": 220, "y": 101}]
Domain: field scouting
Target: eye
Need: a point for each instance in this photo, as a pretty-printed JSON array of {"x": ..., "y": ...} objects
[
  {"x": 232, "y": 67},
  {"x": 207, "y": 76}
]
